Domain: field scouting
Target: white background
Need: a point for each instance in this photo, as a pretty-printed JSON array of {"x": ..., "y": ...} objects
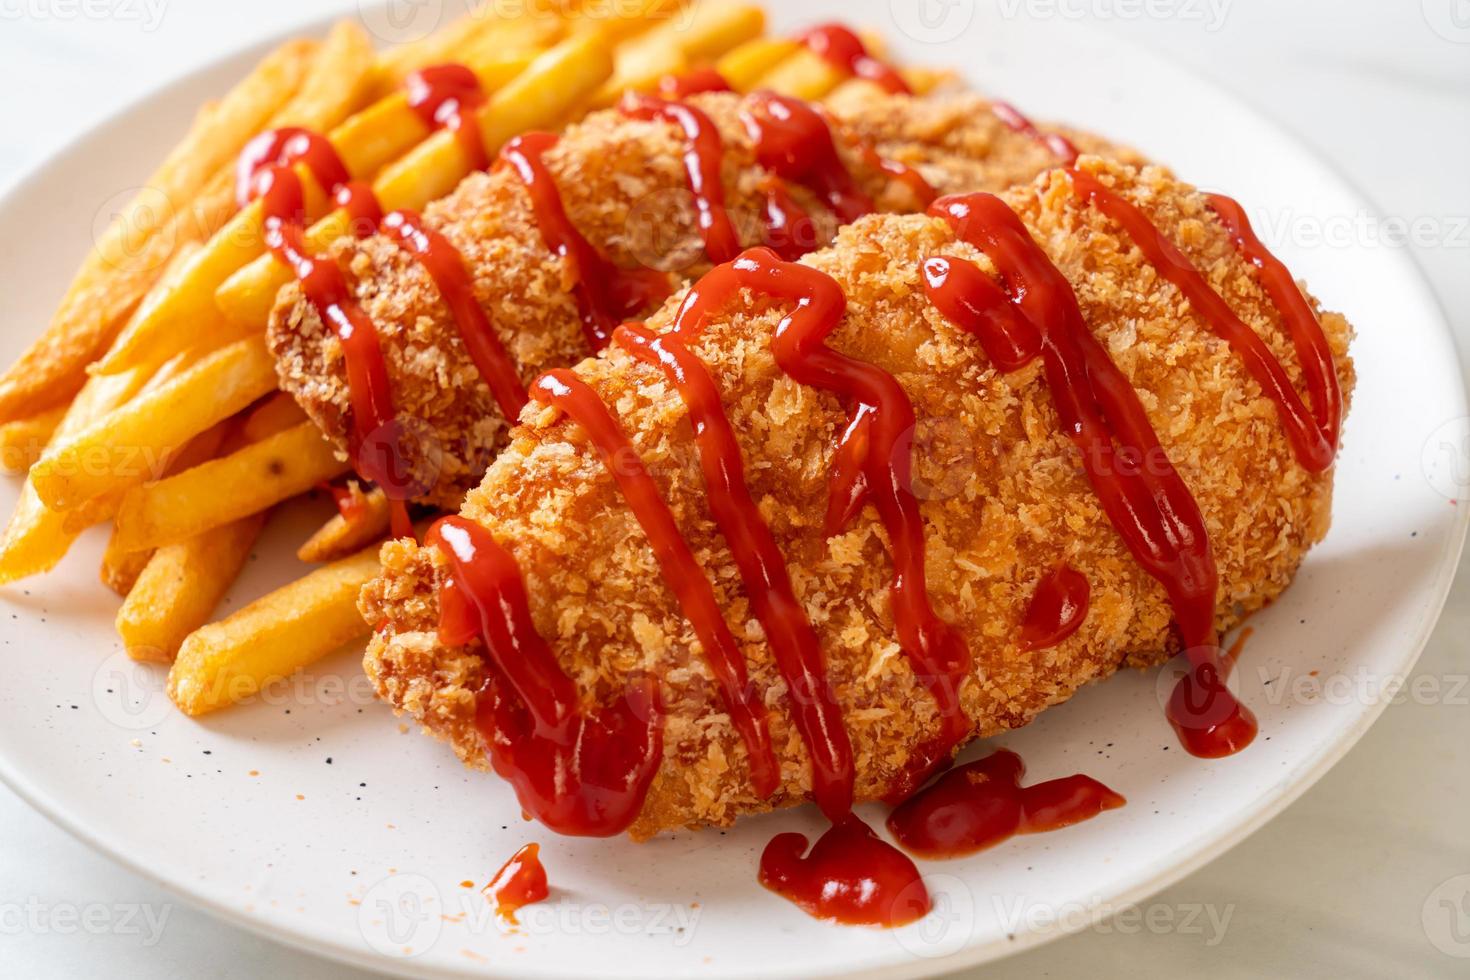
[{"x": 1337, "y": 886}]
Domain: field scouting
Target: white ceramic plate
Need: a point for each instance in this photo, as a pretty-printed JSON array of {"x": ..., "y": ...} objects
[{"x": 312, "y": 817}]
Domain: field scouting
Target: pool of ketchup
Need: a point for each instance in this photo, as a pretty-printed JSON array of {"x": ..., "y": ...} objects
[{"x": 850, "y": 875}]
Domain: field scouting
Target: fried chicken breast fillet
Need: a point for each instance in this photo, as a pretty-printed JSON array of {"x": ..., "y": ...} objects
[
  {"x": 624, "y": 187},
  {"x": 1005, "y": 501}
]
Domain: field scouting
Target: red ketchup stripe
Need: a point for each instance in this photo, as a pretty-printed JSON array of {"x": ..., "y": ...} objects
[
  {"x": 446, "y": 97},
  {"x": 1301, "y": 322},
  {"x": 1060, "y": 147},
  {"x": 980, "y": 804},
  {"x": 681, "y": 571},
  {"x": 1313, "y": 447},
  {"x": 794, "y": 141},
  {"x": 692, "y": 82},
  {"x": 839, "y": 46},
  {"x": 762, "y": 568},
  {"x": 364, "y": 212},
  {"x": 704, "y": 153},
  {"x": 606, "y": 295},
  {"x": 442, "y": 261},
  {"x": 881, "y": 415},
  {"x": 1146, "y": 500},
  {"x": 851, "y": 876},
  {"x": 284, "y": 146},
  {"x": 580, "y": 770}
]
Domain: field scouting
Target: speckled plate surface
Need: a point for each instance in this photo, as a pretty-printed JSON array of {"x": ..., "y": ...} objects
[{"x": 314, "y": 817}]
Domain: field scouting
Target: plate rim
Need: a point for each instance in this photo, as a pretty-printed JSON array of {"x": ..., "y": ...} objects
[{"x": 1164, "y": 871}]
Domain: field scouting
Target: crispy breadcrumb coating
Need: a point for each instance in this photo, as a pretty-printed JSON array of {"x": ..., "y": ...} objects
[
  {"x": 624, "y": 187},
  {"x": 1005, "y": 499}
]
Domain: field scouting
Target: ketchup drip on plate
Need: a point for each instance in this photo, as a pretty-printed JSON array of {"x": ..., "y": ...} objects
[
  {"x": 521, "y": 881},
  {"x": 606, "y": 295},
  {"x": 580, "y": 770},
  {"x": 982, "y": 803},
  {"x": 851, "y": 875},
  {"x": 446, "y": 96},
  {"x": 681, "y": 571},
  {"x": 1057, "y": 608},
  {"x": 442, "y": 261},
  {"x": 1143, "y": 495},
  {"x": 839, "y": 46}
]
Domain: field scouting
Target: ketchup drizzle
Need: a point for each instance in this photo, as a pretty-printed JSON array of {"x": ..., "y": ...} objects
[
  {"x": 283, "y": 147},
  {"x": 839, "y": 46},
  {"x": 606, "y": 295},
  {"x": 1057, "y": 608},
  {"x": 521, "y": 881},
  {"x": 1143, "y": 495},
  {"x": 364, "y": 211},
  {"x": 704, "y": 154},
  {"x": 762, "y": 568},
  {"x": 1313, "y": 444},
  {"x": 446, "y": 96},
  {"x": 442, "y": 261},
  {"x": 580, "y": 770},
  {"x": 794, "y": 141},
  {"x": 692, "y": 82},
  {"x": 982, "y": 803},
  {"x": 851, "y": 875},
  {"x": 1060, "y": 147},
  {"x": 681, "y": 571}
]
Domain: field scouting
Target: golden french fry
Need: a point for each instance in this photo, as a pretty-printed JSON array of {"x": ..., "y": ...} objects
[
  {"x": 802, "y": 74},
  {"x": 22, "y": 441},
  {"x": 481, "y": 34},
  {"x": 184, "y": 316},
  {"x": 551, "y": 86},
  {"x": 120, "y": 567},
  {"x": 222, "y": 490},
  {"x": 709, "y": 31},
  {"x": 277, "y": 413},
  {"x": 273, "y": 637},
  {"x": 133, "y": 441},
  {"x": 179, "y": 587},
  {"x": 165, "y": 215},
  {"x": 342, "y": 535},
  {"x": 620, "y": 21},
  {"x": 37, "y": 538},
  {"x": 743, "y": 66}
]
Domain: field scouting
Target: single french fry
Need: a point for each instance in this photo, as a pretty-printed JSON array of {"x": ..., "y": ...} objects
[
  {"x": 120, "y": 567},
  {"x": 135, "y": 439},
  {"x": 37, "y": 538},
  {"x": 481, "y": 34},
  {"x": 222, "y": 490},
  {"x": 708, "y": 32},
  {"x": 620, "y": 21},
  {"x": 743, "y": 66},
  {"x": 128, "y": 259},
  {"x": 275, "y": 636},
  {"x": 180, "y": 585},
  {"x": 22, "y": 441},
  {"x": 185, "y": 315},
  {"x": 277, "y": 413},
  {"x": 556, "y": 81},
  {"x": 802, "y": 74},
  {"x": 342, "y": 535}
]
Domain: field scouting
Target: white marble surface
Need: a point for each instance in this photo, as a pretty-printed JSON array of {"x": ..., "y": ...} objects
[{"x": 1346, "y": 883}]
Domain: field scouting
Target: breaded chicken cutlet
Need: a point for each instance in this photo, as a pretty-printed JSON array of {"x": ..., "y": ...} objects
[
  {"x": 624, "y": 187},
  {"x": 1004, "y": 496}
]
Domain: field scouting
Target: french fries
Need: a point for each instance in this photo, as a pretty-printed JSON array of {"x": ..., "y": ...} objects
[
  {"x": 709, "y": 31},
  {"x": 120, "y": 567},
  {"x": 553, "y": 84},
  {"x": 131, "y": 443},
  {"x": 128, "y": 259},
  {"x": 22, "y": 441},
  {"x": 743, "y": 66},
  {"x": 223, "y": 490},
  {"x": 271, "y": 638},
  {"x": 179, "y": 586},
  {"x": 341, "y": 535}
]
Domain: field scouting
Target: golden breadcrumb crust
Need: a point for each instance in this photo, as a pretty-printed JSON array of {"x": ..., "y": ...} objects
[
  {"x": 624, "y": 187},
  {"x": 1005, "y": 501}
]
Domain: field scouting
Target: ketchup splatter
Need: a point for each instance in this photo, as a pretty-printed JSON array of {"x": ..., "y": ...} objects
[
  {"x": 606, "y": 295},
  {"x": 692, "y": 82},
  {"x": 838, "y": 45},
  {"x": 581, "y": 770},
  {"x": 704, "y": 153},
  {"x": 982, "y": 803},
  {"x": 442, "y": 261},
  {"x": 1146, "y": 500},
  {"x": 1058, "y": 607},
  {"x": 446, "y": 96},
  {"x": 521, "y": 881},
  {"x": 681, "y": 571},
  {"x": 851, "y": 875}
]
